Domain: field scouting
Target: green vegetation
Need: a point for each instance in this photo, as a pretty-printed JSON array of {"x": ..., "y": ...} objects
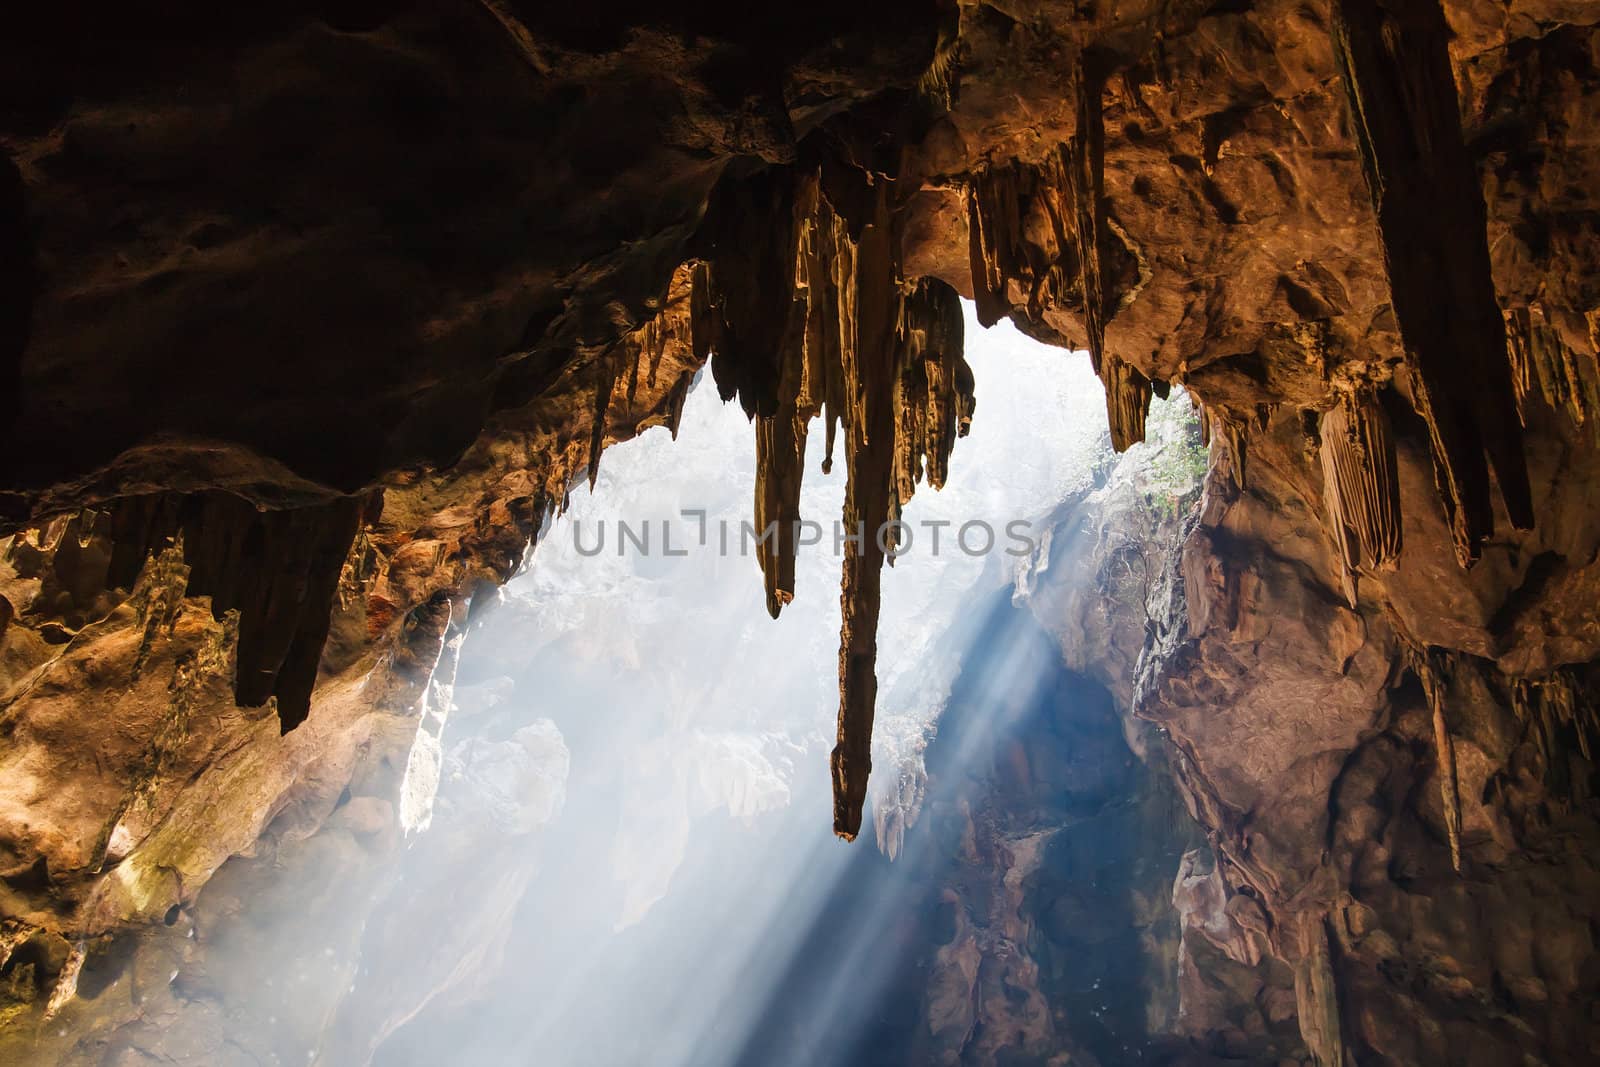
[{"x": 1175, "y": 462}]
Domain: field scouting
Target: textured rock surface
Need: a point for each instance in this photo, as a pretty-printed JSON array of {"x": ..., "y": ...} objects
[
  {"x": 1359, "y": 791},
  {"x": 349, "y": 297}
]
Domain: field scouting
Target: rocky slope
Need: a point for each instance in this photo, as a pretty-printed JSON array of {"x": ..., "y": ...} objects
[{"x": 307, "y": 319}]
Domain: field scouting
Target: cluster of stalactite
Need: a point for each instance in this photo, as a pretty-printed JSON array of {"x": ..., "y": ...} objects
[
  {"x": 1543, "y": 366},
  {"x": 662, "y": 340},
  {"x": 799, "y": 302},
  {"x": 279, "y": 571},
  {"x": 1361, "y": 484},
  {"x": 933, "y": 387},
  {"x": 1396, "y": 69},
  {"x": 1006, "y": 205},
  {"x": 1558, "y": 714},
  {"x": 1233, "y": 430},
  {"x": 1547, "y": 706}
]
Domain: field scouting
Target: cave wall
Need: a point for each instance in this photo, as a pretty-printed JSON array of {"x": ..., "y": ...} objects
[
  {"x": 1399, "y": 836},
  {"x": 1403, "y": 830}
]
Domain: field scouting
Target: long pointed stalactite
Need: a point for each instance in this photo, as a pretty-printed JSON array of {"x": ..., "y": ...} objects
[
  {"x": 1434, "y": 672},
  {"x": 868, "y": 501},
  {"x": 1401, "y": 88},
  {"x": 810, "y": 342},
  {"x": 751, "y": 292},
  {"x": 1316, "y": 992}
]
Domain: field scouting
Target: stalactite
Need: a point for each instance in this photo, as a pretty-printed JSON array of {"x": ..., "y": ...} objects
[
  {"x": 781, "y": 455},
  {"x": 1003, "y": 203},
  {"x": 1084, "y": 160},
  {"x": 67, "y": 982},
  {"x": 908, "y": 397},
  {"x": 820, "y": 386},
  {"x": 1203, "y": 417},
  {"x": 1361, "y": 484},
  {"x": 704, "y": 315},
  {"x": 933, "y": 387},
  {"x": 1235, "y": 435},
  {"x": 643, "y": 351},
  {"x": 675, "y": 402},
  {"x": 994, "y": 238},
  {"x": 843, "y": 277},
  {"x": 1434, "y": 675},
  {"x": 1543, "y": 366},
  {"x": 654, "y": 346},
  {"x": 1316, "y": 994},
  {"x": 605, "y": 382},
  {"x": 1397, "y": 75},
  {"x": 781, "y": 437},
  {"x": 1053, "y": 273},
  {"x": 635, "y": 360},
  {"x": 1128, "y": 391},
  {"x": 780, "y": 460},
  {"x": 280, "y": 569},
  {"x": 744, "y": 298},
  {"x": 869, "y": 426},
  {"x": 1068, "y": 190},
  {"x": 1449, "y": 792},
  {"x": 1127, "y": 401}
]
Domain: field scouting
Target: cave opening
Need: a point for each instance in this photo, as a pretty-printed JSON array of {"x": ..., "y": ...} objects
[{"x": 655, "y": 751}]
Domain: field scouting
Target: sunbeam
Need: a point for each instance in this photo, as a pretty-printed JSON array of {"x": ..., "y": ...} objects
[{"x": 694, "y": 843}]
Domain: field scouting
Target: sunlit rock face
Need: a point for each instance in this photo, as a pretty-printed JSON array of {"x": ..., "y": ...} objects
[
  {"x": 1369, "y": 798},
  {"x": 310, "y": 320}
]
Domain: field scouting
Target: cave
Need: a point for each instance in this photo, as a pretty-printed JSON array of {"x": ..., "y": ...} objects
[{"x": 329, "y": 330}]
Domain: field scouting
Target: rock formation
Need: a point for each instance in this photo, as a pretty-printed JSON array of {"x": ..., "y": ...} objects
[{"x": 309, "y": 318}]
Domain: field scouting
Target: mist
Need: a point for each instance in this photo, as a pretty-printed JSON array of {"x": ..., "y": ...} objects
[{"x": 655, "y": 747}]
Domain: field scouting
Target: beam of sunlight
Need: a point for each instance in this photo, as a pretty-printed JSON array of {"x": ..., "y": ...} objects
[{"x": 694, "y": 849}]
